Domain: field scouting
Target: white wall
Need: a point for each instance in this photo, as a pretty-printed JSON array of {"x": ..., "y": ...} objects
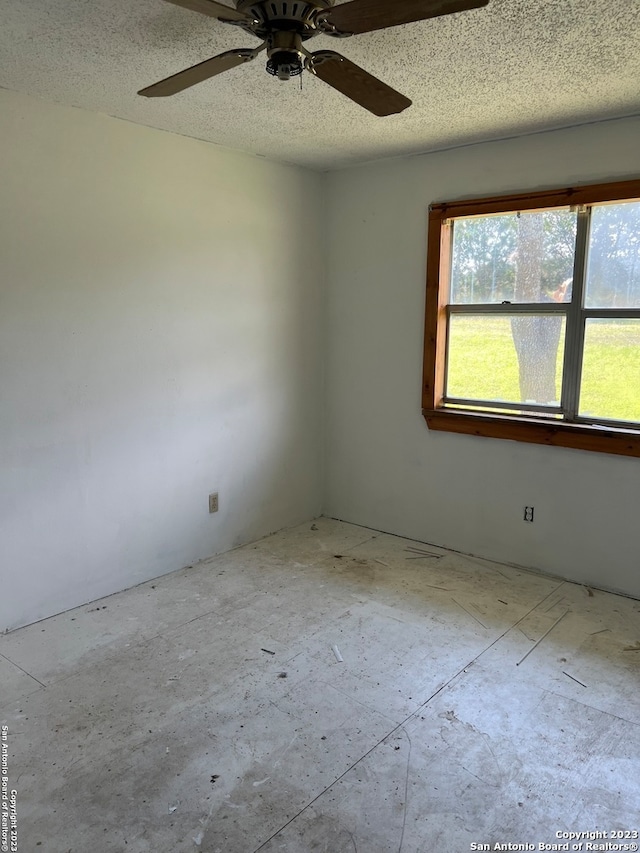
[
  {"x": 384, "y": 468},
  {"x": 159, "y": 340}
]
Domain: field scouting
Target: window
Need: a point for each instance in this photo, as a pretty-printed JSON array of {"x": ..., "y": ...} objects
[{"x": 533, "y": 318}]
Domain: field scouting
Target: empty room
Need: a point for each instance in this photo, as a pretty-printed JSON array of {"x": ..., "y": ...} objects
[{"x": 319, "y": 426}]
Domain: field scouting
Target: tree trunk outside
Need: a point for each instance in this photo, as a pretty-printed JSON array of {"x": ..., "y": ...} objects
[{"x": 536, "y": 339}]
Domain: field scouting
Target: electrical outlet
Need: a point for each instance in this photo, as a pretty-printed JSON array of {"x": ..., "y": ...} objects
[
  {"x": 213, "y": 502},
  {"x": 528, "y": 514}
]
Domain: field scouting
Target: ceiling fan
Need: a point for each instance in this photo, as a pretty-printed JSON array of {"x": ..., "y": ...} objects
[{"x": 284, "y": 26}]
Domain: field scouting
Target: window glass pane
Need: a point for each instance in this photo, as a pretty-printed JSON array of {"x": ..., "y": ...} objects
[
  {"x": 613, "y": 269},
  {"x": 513, "y": 257},
  {"x": 611, "y": 370},
  {"x": 514, "y": 359}
]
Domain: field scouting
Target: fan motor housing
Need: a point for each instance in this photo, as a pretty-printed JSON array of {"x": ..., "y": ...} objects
[
  {"x": 286, "y": 57},
  {"x": 271, "y": 16}
]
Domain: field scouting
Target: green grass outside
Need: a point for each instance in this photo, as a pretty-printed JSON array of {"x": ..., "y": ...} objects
[{"x": 483, "y": 365}]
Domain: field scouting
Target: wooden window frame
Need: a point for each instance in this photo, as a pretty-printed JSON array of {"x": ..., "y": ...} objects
[{"x": 603, "y": 439}]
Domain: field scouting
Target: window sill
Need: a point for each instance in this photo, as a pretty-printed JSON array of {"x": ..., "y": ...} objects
[{"x": 577, "y": 436}]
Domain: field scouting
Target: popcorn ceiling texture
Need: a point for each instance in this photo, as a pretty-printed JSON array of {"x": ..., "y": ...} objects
[{"x": 514, "y": 67}]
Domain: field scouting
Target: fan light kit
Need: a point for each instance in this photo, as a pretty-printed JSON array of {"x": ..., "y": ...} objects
[{"x": 283, "y": 28}]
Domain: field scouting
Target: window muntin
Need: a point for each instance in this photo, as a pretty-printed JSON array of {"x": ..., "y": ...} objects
[{"x": 567, "y": 259}]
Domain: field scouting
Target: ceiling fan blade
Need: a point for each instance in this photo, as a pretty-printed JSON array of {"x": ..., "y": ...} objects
[
  {"x": 364, "y": 16},
  {"x": 198, "y": 73},
  {"x": 357, "y": 84},
  {"x": 211, "y": 8}
]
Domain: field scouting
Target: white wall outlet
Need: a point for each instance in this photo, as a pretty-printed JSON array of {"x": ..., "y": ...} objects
[
  {"x": 213, "y": 502},
  {"x": 528, "y": 514}
]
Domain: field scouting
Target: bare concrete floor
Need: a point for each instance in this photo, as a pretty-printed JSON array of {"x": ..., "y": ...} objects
[{"x": 475, "y": 704}]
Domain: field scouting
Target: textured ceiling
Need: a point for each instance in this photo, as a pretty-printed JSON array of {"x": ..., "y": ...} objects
[{"x": 513, "y": 67}]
